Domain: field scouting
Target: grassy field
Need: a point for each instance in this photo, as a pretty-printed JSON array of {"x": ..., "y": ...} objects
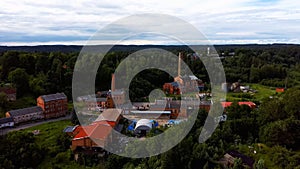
[
  {"x": 262, "y": 93},
  {"x": 48, "y": 138},
  {"x": 48, "y": 132}
]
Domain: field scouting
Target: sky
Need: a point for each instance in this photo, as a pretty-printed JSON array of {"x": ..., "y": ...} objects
[{"x": 74, "y": 22}]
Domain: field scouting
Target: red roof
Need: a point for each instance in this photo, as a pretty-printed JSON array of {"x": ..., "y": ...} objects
[
  {"x": 111, "y": 115},
  {"x": 8, "y": 90},
  {"x": 94, "y": 131},
  {"x": 279, "y": 90},
  {"x": 111, "y": 123},
  {"x": 101, "y": 131},
  {"x": 226, "y": 104},
  {"x": 250, "y": 104},
  {"x": 83, "y": 131}
]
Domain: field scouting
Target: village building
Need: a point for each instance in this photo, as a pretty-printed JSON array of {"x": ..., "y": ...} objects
[
  {"x": 174, "y": 106},
  {"x": 279, "y": 90},
  {"x": 231, "y": 156},
  {"x": 94, "y": 137},
  {"x": 91, "y": 139},
  {"x": 54, "y": 105},
  {"x": 6, "y": 122},
  {"x": 205, "y": 105},
  {"x": 142, "y": 127},
  {"x": 96, "y": 103},
  {"x": 69, "y": 130},
  {"x": 111, "y": 116},
  {"x": 183, "y": 84},
  {"x": 26, "y": 114},
  {"x": 114, "y": 96},
  {"x": 250, "y": 104},
  {"x": 10, "y": 92}
]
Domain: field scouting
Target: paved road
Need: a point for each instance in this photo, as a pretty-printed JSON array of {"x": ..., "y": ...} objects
[{"x": 24, "y": 126}]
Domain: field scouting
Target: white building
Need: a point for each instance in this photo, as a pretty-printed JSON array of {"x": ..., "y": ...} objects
[{"x": 143, "y": 126}]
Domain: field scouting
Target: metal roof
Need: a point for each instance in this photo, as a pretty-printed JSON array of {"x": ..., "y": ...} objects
[
  {"x": 143, "y": 123},
  {"x": 100, "y": 99},
  {"x": 6, "y": 120},
  {"x": 51, "y": 97},
  {"x": 25, "y": 111},
  {"x": 69, "y": 129},
  {"x": 151, "y": 112},
  {"x": 109, "y": 115}
]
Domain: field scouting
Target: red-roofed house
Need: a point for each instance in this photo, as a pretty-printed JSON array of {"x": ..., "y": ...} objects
[
  {"x": 94, "y": 135},
  {"x": 279, "y": 90},
  {"x": 226, "y": 104},
  {"x": 250, "y": 104}
]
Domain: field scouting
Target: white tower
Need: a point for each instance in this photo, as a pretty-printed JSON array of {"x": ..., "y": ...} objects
[{"x": 208, "y": 51}]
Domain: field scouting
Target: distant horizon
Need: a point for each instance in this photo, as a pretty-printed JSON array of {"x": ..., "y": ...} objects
[
  {"x": 31, "y": 23},
  {"x": 233, "y": 44}
]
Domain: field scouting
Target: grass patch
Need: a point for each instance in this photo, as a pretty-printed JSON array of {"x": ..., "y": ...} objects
[
  {"x": 47, "y": 138},
  {"x": 49, "y": 132},
  {"x": 262, "y": 93}
]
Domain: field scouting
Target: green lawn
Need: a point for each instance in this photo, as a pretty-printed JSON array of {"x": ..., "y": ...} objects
[
  {"x": 48, "y": 138},
  {"x": 49, "y": 132},
  {"x": 262, "y": 93}
]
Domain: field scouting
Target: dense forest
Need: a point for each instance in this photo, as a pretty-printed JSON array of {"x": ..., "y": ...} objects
[{"x": 272, "y": 129}]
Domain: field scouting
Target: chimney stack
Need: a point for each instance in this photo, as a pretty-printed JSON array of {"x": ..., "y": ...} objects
[
  {"x": 179, "y": 63},
  {"x": 113, "y": 82}
]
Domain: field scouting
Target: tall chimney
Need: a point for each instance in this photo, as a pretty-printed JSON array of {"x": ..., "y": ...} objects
[
  {"x": 113, "y": 83},
  {"x": 208, "y": 51},
  {"x": 179, "y": 63}
]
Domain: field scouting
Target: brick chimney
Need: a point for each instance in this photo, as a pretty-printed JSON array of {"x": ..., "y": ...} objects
[
  {"x": 113, "y": 83},
  {"x": 179, "y": 63}
]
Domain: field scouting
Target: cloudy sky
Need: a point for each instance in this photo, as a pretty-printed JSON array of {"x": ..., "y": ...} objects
[{"x": 31, "y": 22}]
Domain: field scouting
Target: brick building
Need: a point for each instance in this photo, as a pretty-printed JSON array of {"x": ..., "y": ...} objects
[
  {"x": 94, "y": 137},
  {"x": 54, "y": 105},
  {"x": 183, "y": 84},
  {"x": 115, "y": 96},
  {"x": 26, "y": 114},
  {"x": 10, "y": 92}
]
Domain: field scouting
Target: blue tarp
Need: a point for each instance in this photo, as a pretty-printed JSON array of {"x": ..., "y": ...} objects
[
  {"x": 174, "y": 121},
  {"x": 130, "y": 128},
  {"x": 154, "y": 123}
]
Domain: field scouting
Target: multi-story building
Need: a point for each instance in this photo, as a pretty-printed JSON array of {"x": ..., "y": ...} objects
[
  {"x": 115, "y": 97},
  {"x": 54, "y": 105},
  {"x": 183, "y": 84},
  {"x": 26, "y": 114},
  {"x": 94, "y": 137}
]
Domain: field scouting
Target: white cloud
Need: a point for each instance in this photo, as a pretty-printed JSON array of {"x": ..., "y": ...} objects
[{"x": 234, "y": 21}]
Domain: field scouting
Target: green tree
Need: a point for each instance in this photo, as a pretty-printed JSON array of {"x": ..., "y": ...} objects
[
  {"x": 238, "y": 164},
  {"x": 260, "y": 164},
  {"x": 3, "y": 100},
  {"x": 21, "y": 79}
]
